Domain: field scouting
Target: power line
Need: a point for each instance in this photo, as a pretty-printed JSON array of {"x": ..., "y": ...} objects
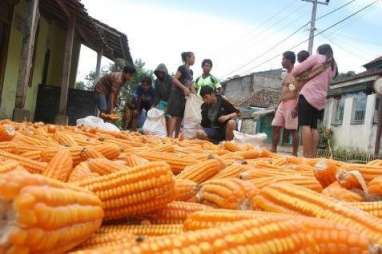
[
  {"x": 263, "y": 23},
  {"x": 319, "y": 33},
  {"x": 343, "y": 48},
  {"x": 288, "y": 37}
]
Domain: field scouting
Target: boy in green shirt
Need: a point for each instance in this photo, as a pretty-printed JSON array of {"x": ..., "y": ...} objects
[{"x": 207, "y": 79}]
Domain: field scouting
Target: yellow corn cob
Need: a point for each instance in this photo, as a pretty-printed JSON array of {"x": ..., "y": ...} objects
[
  {"x": 133, "y": 160},
  {"x": 218, "y": 217},
  {"x": 110, "y": 151},
  {"x": 231, "y": 146},
  {"x": 9, "y": 147},
  {"x": 135, "y": 191},
  {"x": 373, "y": 208},
  {"x": 32, "y": 155},
  {"x": 175, "y": 212},
  {"x": 281, "y": 197},
  {"x": 143, "y": 230},
  {"x": 230, "y": 193},
  {"x": 105, "y": 166},
  {"x": 306, "y": 181},
  {"x": 233, "y": 170},
  {"x": 374, "y": 187},
  {"x": 41, "y": 215},
  {"x": 201, "y": 171},
  {"x": 60, "y": 167},
  {"x": 232, "y": 156},
  {"x": 351, "y": 180},
  {"x": 30, "y": 165},
  {"x": 28, "y": 140},
  {"x": 165, "y": 148},
  {"x": 8, "y": 165},
  {"x": 7, "y": 132},
  {"x": 325, "y": 171},
  {"x": 65, "y": 139},
  {"x": 377, "y": 163},
  {"x": 48, "y": 154},
  {"x": 101, "y": 240},
  {"x": 185, "y": 189},
  {"x": 249, "y": 154},
  {"x": 368, "y": 172},
  {"x": 90, "y": 153},
  {"x": 335, "y": 190},
  {"x": 277, "y": 235},
  {"x": 254, "y": 173},
  {"x": 81, "y": 172},
  {"x": 176, "y": 163}
]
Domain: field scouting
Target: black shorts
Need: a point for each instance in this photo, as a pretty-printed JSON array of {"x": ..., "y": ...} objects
[{"x": 307, "y": 114}]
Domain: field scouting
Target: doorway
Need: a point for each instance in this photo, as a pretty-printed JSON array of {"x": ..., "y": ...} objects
[{"x": 6, "y": 13}]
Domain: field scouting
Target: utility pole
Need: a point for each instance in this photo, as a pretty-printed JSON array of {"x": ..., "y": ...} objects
[{"x": 313, "y": 21}]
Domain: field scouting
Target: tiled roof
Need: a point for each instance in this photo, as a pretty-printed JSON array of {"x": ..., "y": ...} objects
[
  {"x": 264, "y": 98},
  {"x": 378, "y": 59},
  {"x": 364, "y": 74}
]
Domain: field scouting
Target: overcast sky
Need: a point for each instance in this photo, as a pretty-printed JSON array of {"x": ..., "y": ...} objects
[{"x": 236, "y": 35}]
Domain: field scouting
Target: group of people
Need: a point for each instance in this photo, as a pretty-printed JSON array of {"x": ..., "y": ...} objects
[
  {"x": 303, "y": 97},
  {"x": 169, "y": 93}
]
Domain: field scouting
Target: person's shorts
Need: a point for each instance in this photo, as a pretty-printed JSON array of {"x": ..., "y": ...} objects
[
  {"x": 215, "y": 135},
  {"x": 176, "y": 104},
  {"x": 307, "y": 114},
  {"x": 283, "y": 116},
  {"x": 102, "y": 102}
]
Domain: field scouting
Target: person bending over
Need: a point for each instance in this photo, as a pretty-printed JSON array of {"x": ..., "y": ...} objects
[
  {"x": 108, "y": 87},
  {"x": 218, "y": 117}
]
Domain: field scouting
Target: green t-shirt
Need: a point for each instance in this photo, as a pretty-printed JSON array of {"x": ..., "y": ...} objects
[{"x": 207, "y": 81}]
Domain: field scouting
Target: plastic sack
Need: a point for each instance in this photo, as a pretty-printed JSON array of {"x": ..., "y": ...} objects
[
  {"x": 192, "y": 116},
  {"x": 155, "y": 123},
  {"x": 96, "y": 122},
  {"x": 256, "y": 140}
]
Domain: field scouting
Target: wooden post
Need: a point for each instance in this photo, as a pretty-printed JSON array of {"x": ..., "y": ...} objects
[
  {"x": 28, "y": 43},
  {"x": 98, "y": 66},
  {"x": 66, "y": 70},
  {"x": 379, "y": 129}
]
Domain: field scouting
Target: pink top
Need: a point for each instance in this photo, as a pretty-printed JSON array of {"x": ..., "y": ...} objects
[{"x": 316, "y": 89}]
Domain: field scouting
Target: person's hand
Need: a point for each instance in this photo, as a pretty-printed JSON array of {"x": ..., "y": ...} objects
[
  {"x": 224, "y": 119},
  {"x": 186, "y": 91}
]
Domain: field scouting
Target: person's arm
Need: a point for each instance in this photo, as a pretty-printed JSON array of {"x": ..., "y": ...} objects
[
  {"x": 304, "y": 66},
  {"x": 156, "y": 94},
  {"x": 231, "y": 112},
  {"x": 228, "y": 117},
  {"x": 113, "y": 99},
  {"x": 179, "y": 84}
]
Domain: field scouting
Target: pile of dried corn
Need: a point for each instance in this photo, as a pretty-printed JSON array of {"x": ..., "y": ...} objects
[{"x": 82, "y": 190}]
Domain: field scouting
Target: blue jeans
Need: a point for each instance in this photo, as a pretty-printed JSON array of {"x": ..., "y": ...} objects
[
  {"x": 103, "y": 103},
  {"x": 215, "y": 135}
]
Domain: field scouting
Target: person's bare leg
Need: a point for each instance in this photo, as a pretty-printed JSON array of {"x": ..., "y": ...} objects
[
  {"x": 307, "y": 140},
  {"x": 316, "y": 140},
  {"x": 172, "y": 121},
  {"x": 177, "y": 126},
  {"x": 167, "y": 125},
  {"x": 201, "y": 135},
  {"x": 295, "y": 142},
  {"x": 275, "y": 138},
  {"x": 229, "y": 128}
]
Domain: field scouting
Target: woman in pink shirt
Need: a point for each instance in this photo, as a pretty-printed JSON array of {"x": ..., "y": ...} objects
[{"x": 312, "y": 98}]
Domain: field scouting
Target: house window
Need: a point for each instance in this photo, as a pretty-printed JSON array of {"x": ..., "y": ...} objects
[
  {"x": 359, "y": 108},
  {"x": 339, "y": 107},
  {"x": 376, "y": 109}
]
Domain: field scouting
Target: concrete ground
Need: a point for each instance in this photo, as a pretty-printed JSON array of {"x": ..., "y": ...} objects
[{"x": 285, "y": 150}]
